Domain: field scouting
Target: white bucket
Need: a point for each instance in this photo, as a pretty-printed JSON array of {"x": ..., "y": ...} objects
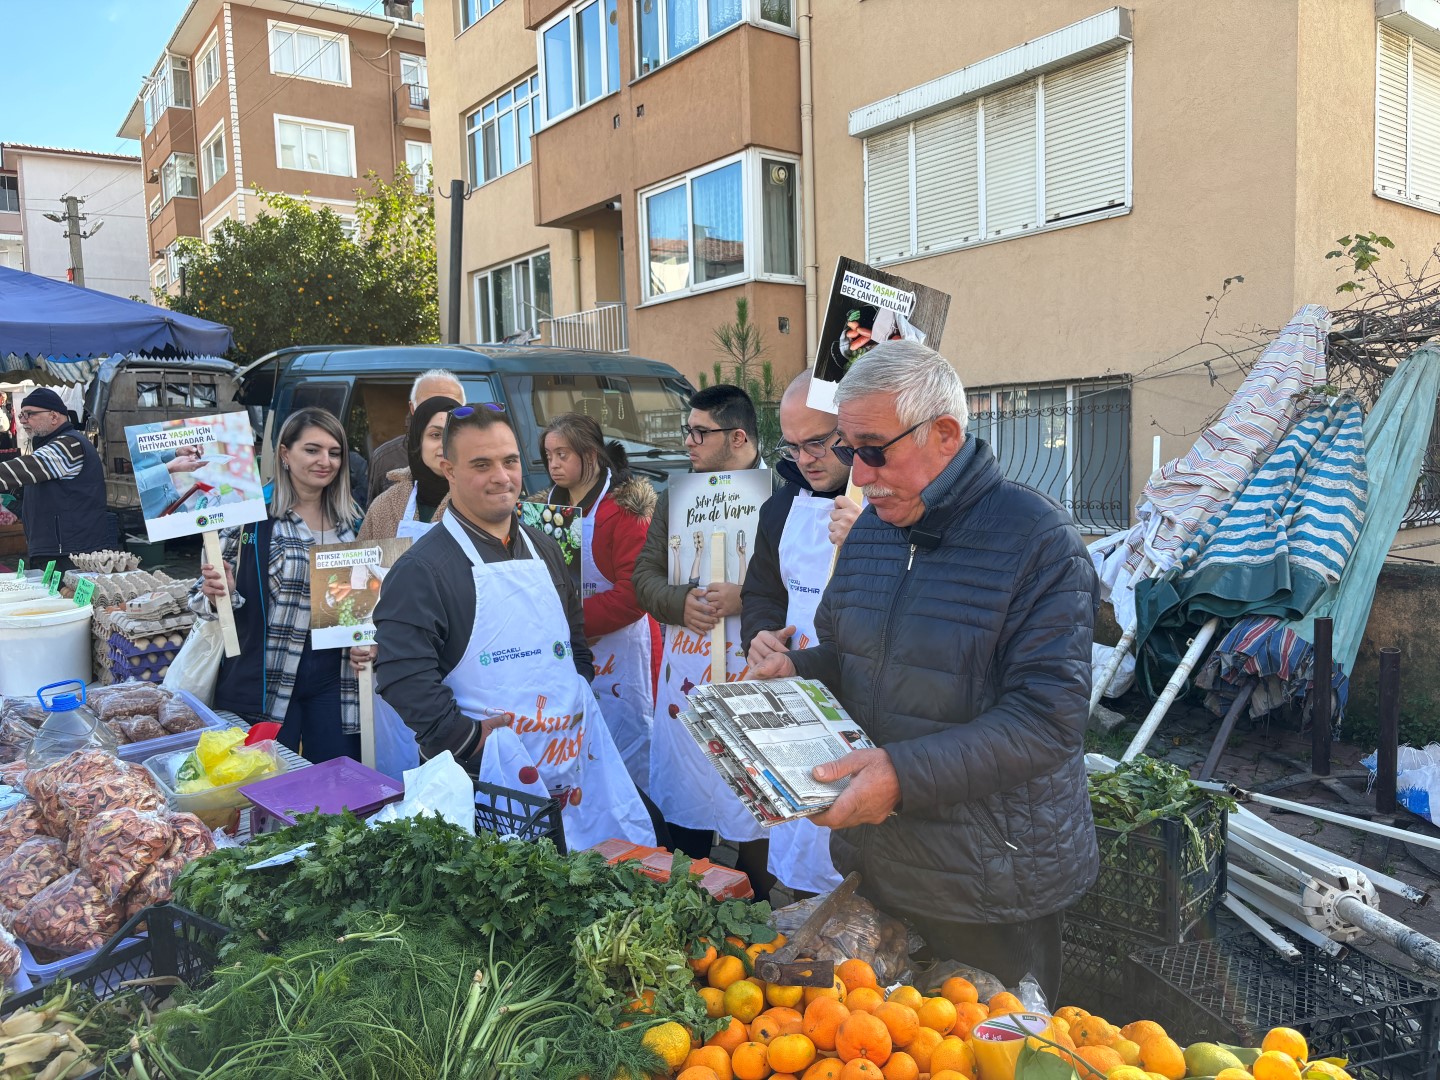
[
  {"x": 49, "y": 646},
  {"x": 12, "y": 597}
]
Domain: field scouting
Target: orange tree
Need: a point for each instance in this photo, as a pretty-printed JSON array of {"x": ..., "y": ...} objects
[{"x": 292, "y": 276}]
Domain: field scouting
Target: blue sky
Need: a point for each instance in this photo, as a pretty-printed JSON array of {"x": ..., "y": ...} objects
[{"x": 70, "y": 69}]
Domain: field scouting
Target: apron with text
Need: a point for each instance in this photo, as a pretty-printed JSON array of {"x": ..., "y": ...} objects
[
  {"x": 395, "y": 747},
  {"x": 622, "y": 666},
  {"x": 518, "y": 660},
  {"x": 800, "y": 850}
]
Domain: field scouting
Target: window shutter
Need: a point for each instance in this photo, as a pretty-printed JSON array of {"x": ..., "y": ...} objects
[
  {"x": 947, "y": 184},
  {"x": 1424, "y": 126},
  {"x": 1085, "y": 137},
  {"x": 887, "y": 195},
  {"x": 1010, "y": 161},
  {"x": 1391, "y": 113}
]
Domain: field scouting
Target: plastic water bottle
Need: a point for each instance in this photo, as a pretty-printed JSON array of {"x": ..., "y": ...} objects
[{"x": 69, "y": 725}]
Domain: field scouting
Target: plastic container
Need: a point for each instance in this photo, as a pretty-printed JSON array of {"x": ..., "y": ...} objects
[
  {"x": 721, "y": 882},
  {"x": 217, "y": 807},
  {"x": 184, "y": 740},
  {"x": 329, "y": 787},
  {"x": 14, "y": 591},
  {"x": 69, "y": 725},
  {"x": 44, "y": 974},
  {"x": 49, "y": 646},
  {"x": 997, "y": 1043},
  {"x": 507, "y": 812}
]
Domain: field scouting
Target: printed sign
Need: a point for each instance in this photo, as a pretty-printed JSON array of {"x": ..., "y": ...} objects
[
  {"x": 345, "y": 582},
  {"x": 868, "y": 306},
  {"x": 563, "y": 524},
  {"x": 196, "y": 476}
]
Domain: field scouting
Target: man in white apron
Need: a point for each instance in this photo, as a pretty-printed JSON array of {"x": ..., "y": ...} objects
[
  {"x": 480, "y": 626},
  {"x": 720, "y": 436},
  {"x": 800, "y": 526}
]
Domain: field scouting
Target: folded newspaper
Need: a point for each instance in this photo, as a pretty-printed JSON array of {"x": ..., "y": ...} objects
[{"x": 764, "y": 737}]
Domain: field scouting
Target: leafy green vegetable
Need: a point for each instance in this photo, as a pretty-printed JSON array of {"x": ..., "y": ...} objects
[{"x": 1143, "y": 790}]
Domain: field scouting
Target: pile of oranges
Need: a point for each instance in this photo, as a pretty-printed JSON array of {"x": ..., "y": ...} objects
[{"x": 855, "y": 1030}]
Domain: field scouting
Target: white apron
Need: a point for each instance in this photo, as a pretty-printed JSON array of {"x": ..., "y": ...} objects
[
  {"x": 800, "y": 850},
  {"x": 518, "y": 660},
  {"x": 395, "y": 747},
  {"x": 622, "y": 665}
]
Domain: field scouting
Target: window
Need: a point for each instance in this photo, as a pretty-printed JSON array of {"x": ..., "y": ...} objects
[
  {"x": 314, "y": 147},
  {"x": 155, "y": 204},
  {"x": 666, "y": 29},
  {"x": 636, "y": 408},
  {"x": 207, "y": 72},
  {"x": 512, "y": 298},
  {"x": 213, "y": 230},
  {"x": 309, "y": 54},
  {"x": 1407, "y": 121},
  {"x": 700, "y": 229},
  {"x": 472, "y": 11},
  {"x": 177, "y": 177},
  {"x": 1071, "y": 442},
  {"x": 172, "y": 263},
  {"x": 169, "y": 85},
  {"x": 9, "y": 195},
  {"x": 580, "y": 57},
  {"x": 414, "y": 70},
  {"x": 350, "y": 229},
  {"x": 417, "y": 160},
  {"x": 498, "y": 132},
  {"x": 1049, "y": 152},
  {"x": 212, "y": 157}
]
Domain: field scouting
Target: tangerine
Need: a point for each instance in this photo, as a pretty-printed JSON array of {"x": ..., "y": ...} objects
[
  {"x": 1275, "y": 1065},
  {"x": 701, "y": 964},
  {"x": 823, "y": 1017},
  {"x": 951, "y": 1074},
  {"x": 959, "y": 991},
  {"x": 764, "y": 1028},
  {"x": 725, "y": 971},
  {"x": 938, "y": 1013},
  {"x": 1141, "y": 1030},
  {"x": 788, "y": 996},
  {"x": 670, "y": 1040},
  {"x": 698, "y": 1072},
  {"x": 1286, "y": 1040},
  {"x": 923, "y": 1045},
  {"x": 863, "y": 999},
  {"x": 750, "y": 1061},
  {"x": 861, "y": 1069},
  {"x": 714, "y": 1058},
  {"x": 836, "y": 991},
  {"x": 901, "y": 1020},
  {"x": 901, "y": 1066},
  {"x": 1162, "y": 1054},
  {"x": 955, "y": 1054},
  {"x": 824, "y": 1069},
  {"x": 790, "y": 1053},
  {"x": 1005, "y": 1002},
  {"x": 730, "y": 1036},
  {"x": 744, "y": 1000},
  {"x": 714, "y": 1002},
  {"x": 861, "y": 1035},
  {"x": 790, "y": 1020},
  {"x": 967, "y": 1015},
  {"x": 906, "y": 995},
  {"x": 1102, "y": 1058},
  {"x": 855, "y": 974}
]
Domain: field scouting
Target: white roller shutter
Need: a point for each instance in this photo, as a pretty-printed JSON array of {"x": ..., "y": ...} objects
[
  {"x": 1424, "y": 125},
  {"x": 887, "y": 195},
  {"x": 947, "y": 185},
  {"x": 1085, "y": 137},
  {"x": 1392, "y": 113},
  {"x": 1010, "y": 161}
]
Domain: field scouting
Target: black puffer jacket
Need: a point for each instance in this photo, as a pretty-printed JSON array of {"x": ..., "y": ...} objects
[{"x": 969, "y": 661}]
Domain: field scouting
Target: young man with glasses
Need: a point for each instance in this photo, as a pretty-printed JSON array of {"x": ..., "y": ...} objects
[
  {"x": 956, "y": 631},
  {"x": 63, "y": 481}
]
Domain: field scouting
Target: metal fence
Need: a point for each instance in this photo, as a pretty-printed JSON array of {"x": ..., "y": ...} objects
[
  {"x": 419, "y": 95},
  {"x": 1424, "y": 508},
  {"x": 1071, "y": 442},
  {"x": 602, "y": 328}
]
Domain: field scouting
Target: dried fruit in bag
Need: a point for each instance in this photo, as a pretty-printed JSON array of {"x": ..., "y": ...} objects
[
  {"x": 194, "y": 835},
  {"x": 139, "y": 728},
  {"x": 176, "y": 716},
  {"x": 118, "y": 846},
  {"x": 9, "y": 954},
  {"x": 20, "y": 823},
  {"x": 124, "y": 700},
  {"x": 31, "y": 867},
  {"x": 68, "y": 916}
]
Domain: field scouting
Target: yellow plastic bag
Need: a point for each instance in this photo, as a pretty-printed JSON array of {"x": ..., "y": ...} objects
[
  {"x": 242, "y": 765},
  {"x": 215, "y": 746}
]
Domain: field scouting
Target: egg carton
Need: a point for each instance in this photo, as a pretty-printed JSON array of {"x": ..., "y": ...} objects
[
  {"x": 106, "y": 562},
  {"x": 114, "y": 590},
  {"x": 150, "y": 668},
  {"x": 124, "y": 646}
]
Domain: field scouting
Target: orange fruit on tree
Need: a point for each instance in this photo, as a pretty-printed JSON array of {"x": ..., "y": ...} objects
[
  {"x": 824, "y": 1069},
  {"x": 725, "y": 971},
  {"x": 744, "y": 1000},
  {"x": 698, "y": 1072},
  {"x": 730, "y": 1036},
  {"x": 791, "y": 1020},
  {"x": 714, "y": 1058},
  {"x": 1162, "y": 1054},
  {"x": 764, "y": 1028},
  {"x": 1005, "y": 1002},
  {"x": 958, "y": 990},
  {"x": 1102, "y": 1058},
  {"x": 823, "y": 1017},
  {"x": 967, "y": 1015},
  {"x": 906, "y": 995},
  {"x": 750, "y": 1061},
  {"x": 902, "y": 1021},
  {"x": 701, "y": 964},
  {"x": 1141, "y": 1030},
  {"x": 938, "y": 1013},
  {"x": 923, "y": 1045},
  {"x": 955, "y": 1054},
  {"x": 901, "y": 1066},
  {"x": 836, "y": 991},
  {"x": 861, "y": 1069},
  {"x": 863, "y": 999},
  {"x": 1286, "y": 1040},
  {"x": 788, "y": 996},
  {"x": 1275, "y": 1065},
  {"x": 790, "y": 1053},
  {"x": 855, "y": 974},
  {"x": 861, "y": 1035},
  {"x": 714, "y": 1001}
]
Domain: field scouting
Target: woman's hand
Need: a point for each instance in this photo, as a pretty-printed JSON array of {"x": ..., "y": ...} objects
[
  {"x": 361, "y": 657},
  {"x": 215, "y": 585}
]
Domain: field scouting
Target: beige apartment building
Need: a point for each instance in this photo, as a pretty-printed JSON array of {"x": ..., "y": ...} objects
[{"x": 301, "y": 97}]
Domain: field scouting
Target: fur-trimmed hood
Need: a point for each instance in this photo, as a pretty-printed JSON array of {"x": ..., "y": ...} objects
[{"x": 637, "y": 496}]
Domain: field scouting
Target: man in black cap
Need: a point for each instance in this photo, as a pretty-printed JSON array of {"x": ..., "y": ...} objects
[{"x": 63, "y": 483}]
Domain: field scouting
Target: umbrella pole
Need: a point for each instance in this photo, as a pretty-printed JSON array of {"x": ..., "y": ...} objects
[
  {"x": 1107, "y": 672},
  {"x": 1172, "y": 689},
  {"x": 1227, "y": 726}
]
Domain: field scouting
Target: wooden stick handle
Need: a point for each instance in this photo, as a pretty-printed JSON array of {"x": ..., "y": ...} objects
[
  {"x": 224, "y": 610},
  {"x": 367, "y": 716},
  {"x": 719, "y": 662}
]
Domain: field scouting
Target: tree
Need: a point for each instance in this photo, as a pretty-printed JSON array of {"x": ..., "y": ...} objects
[
  {"x": 742, "y": 346},
  {"x": 293, "y": 277}
]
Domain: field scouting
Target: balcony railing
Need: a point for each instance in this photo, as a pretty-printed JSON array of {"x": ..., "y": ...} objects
[
  {"x": 602, "y": 328},
  {"x": 419, "y": 96}
]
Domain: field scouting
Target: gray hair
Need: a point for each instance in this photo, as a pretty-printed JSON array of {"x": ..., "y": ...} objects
[
  {"x": 435, "y": 375},
  {"x": 922, "y": 382}
]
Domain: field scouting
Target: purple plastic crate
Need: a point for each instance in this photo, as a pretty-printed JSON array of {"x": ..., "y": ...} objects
[{"x": 330, "y": 787}]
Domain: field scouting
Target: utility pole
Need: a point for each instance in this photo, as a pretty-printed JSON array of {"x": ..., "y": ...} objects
[{"x": 72, "y": 219}]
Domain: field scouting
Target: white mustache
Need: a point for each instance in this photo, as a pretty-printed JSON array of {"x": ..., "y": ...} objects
[{"x": 875, "y": 491}]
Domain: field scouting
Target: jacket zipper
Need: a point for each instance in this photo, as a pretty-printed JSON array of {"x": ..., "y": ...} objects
[
  {"x": 885, "y": 632},
  {"x": 987, "y": 822}
]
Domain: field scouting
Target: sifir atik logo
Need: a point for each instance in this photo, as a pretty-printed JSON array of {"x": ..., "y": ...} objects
[{"x": 212, "y": 520}]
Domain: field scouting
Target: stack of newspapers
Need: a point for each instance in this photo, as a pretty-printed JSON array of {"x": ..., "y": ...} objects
[{"x": 764, "y": 737}]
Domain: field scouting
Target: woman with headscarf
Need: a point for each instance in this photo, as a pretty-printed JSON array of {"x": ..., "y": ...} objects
[{"x": 419, "y": 493}]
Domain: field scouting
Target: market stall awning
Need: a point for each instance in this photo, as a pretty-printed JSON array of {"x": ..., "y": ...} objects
[{"x": 43, "y": 317}]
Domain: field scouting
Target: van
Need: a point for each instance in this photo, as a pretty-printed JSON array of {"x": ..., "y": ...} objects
[{"x": 642, "y": 403}]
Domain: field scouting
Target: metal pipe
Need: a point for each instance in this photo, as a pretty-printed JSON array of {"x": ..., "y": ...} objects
[
  {"x": 1172, "y": 689},
  {"x": 1263, "y": 930},
  {"x": 457, "y": 235},
  {"x": 1112, "y": 665},
  {"x": 1387, "y": 756},
  {"x": 1289, "y": 922},
  {"x": 1268, "y": 861},
  {"x": 1227, "y": 725},
  {"x": 1318, "y": 814},
  {"x": 807, "y": 184},
  {"x": 1411, "y": 942},
  {"x": 1320, "y": 699},
  {"x": 1256, "y": 885}
]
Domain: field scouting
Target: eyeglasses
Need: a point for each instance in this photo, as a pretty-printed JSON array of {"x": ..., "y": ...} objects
[
  {"x": 700, "y": 432},
  {"x": 30, "y": 414},
  {"x": 874, "y": 456},
  {"x": 815, "y": 448}
]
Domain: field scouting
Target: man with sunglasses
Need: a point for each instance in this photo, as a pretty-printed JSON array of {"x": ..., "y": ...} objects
[{"x": 956, "y": 631}]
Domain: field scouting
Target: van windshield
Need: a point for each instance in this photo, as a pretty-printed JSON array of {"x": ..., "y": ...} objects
[{"x": 641, "y": 409}]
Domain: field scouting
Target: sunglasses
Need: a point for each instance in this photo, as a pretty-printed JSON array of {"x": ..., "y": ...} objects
[
  {"x": 469, "y": 410},
  {"x": 874, "y": 456},
  {"x": 815, "y": 448}
]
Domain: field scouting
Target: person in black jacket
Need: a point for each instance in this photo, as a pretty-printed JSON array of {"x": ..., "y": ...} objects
[{"x": 956, "y": 631}]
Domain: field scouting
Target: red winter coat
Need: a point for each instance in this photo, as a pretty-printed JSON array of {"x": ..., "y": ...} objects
[{"x": 621, "y": 520}]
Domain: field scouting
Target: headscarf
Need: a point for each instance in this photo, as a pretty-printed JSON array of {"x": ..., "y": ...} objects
[{"x": 431, "y": 487}]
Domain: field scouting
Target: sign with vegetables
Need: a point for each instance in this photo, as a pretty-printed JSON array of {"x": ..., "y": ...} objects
[
  {"x": 196, "y": 476},
  {"x": 563, "y": 524},
  {"x": 344, "y": 589}
]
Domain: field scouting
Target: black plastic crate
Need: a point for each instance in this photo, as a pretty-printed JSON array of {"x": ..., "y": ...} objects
[
  {"x": 1097, "y": 972},
  {"x": 507, "y": 812},
  {"x": 1153, "y": 884},
  {"x": 1384, "y": 1022}
]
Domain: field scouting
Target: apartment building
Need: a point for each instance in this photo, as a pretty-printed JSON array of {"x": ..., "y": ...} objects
[
  {"x": 34, "y": 181},
  {"x": 294, "y": 96}
]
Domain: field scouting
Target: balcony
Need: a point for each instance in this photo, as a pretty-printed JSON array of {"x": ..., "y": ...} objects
[
  {"x": 602, "y": 329},
  {"x": 412, "y": 105}
]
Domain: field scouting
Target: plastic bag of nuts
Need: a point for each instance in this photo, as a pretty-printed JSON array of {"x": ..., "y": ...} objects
[
  {"x": 127, "y": 699},
  {"x": 20, "y": 823},
  {"x": 120, "y": 845},
  {"x": 68, "y": 916},
  {"x": 31, "y": 867},
  {"x": 176, "y": 716}
]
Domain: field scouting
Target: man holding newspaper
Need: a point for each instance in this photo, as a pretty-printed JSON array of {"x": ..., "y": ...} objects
[{"x": 956, "y": 632}]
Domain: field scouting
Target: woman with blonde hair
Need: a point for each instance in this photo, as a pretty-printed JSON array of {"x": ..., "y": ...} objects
[{"x": 313, "y": 695}]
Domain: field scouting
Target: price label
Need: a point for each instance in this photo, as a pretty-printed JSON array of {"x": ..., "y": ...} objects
[
  {"x": 84, "y": 591},
  {"x": 55, "y": 585},
  {"x": 49, "y": 571},
  {"x": 19, "y": 568}
]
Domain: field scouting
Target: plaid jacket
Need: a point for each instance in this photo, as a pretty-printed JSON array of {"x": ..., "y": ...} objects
[{"x": 287, "y": 613}]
